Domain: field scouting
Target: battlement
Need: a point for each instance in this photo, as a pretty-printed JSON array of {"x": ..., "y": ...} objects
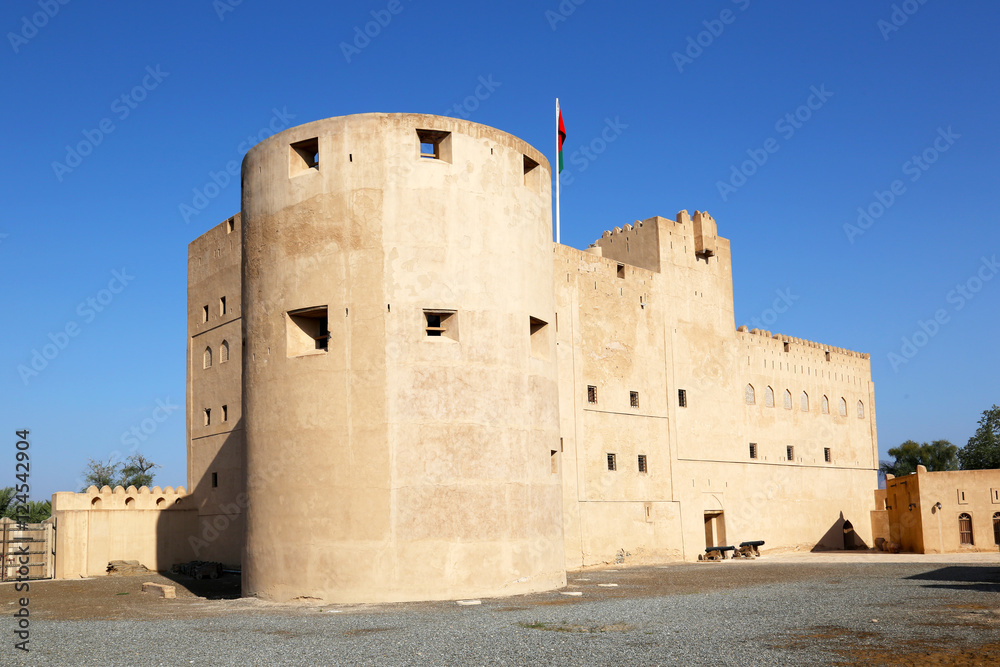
[
  {"x": 642, "y": 243},
  {"x": 131, "y": 498},
  {"x": 787, "y": 341}
]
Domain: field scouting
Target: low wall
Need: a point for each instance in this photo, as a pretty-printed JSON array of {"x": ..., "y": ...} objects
[{"x": 151, "y": 526}]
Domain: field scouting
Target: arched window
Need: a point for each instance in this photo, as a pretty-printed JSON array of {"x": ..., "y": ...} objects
[
  {"x": 804, "y": 402},
  {"x": 207, "y": 359},
  {"x": 749, "y": 395},
  {"x": 965, "y": 529},
  {"x": 996, "y": 528},
  {"x": 861, "y": 410},
  {"x": 769, "y": 397},
  {"x": 826, "y": 405},
  {"x": 224, "y": 352},
  {"x": 788, "y": 400},
  {"x": 843, "y": 407}
]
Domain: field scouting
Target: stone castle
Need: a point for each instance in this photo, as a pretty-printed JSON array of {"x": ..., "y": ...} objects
[{"x": 399, "y": 388}]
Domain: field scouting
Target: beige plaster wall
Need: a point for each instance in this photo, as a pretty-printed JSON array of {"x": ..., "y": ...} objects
[
  {"x": 151, "y": 526},
  {"x": 918, "y": 525},
  {"x": 395, "y": 466}
]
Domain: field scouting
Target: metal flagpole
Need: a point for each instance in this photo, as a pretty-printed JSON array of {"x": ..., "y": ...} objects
[{"x": 557, "y": 170}]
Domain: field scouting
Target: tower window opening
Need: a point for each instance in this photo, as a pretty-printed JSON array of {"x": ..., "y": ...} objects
[
  {"x": 441, "y": 324},
  {"x": 435, "y": 145},
  {"x": 308, "y": 331},
  {"x": 303, "y": 156}
]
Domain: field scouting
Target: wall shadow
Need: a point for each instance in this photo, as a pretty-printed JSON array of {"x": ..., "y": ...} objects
[
  {"x": 841, "y": 536},
  {"x": 980, "y": 578}
]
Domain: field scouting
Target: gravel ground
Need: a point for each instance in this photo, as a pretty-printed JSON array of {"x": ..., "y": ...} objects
[{"x": 732, "y": 613}]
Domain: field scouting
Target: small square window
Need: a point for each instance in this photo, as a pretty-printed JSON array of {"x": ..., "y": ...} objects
[
  {"x": 215, "y": 480},
  {"x": 532, "y": 174},
  {"x": 441, "y": 324},
  {"x": 682, "y": 398},
  {"x": 303, "y": 157},
  {"x": 612, "y": 465},
  {"x": 753, "y": 450},
  {"x": 225, "y": 413},
  {"x": 827, "y": 456},
  {"x": 539, "y": 337},
  {"x": 633, "y": 399},
  {"x": 642, "y": 463},
  {"x": 208, "y": 416},
  {"x": 790, "y": 453},
  {"x": 308, "y": 331},
  {"x": 222, "y": 305},
  {"x": 592, "y": 394},
  {"x": 435, "y": 145}
]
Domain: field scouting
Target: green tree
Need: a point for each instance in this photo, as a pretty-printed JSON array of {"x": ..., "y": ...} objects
[
  {"x": 36, "y": 511},
  {"x": 938, "y": 455},
  {"x": 983, "y": 449},
  {"x": 135, "y": 471}
]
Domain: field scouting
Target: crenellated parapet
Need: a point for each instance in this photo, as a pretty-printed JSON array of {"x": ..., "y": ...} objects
[
  {"x": 785, "y": 343},
  {"x": 119, "y": 498}
]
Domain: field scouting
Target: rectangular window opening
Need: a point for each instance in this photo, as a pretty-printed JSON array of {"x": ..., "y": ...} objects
[
  {"x": 612, "y": 464},
  {"x": 441, "y": 324},
  {"x": 303, "y": 156},
  {"x": 554, "y": 461},
  {"x": 208, "y": 416},
  {"x": 682, "y": 398},
  {"x": 222, "y": 305},
  {"x": 621, "y": 270},
  {"x": 592, "y": 394},
  {"x": 790, "y": 453},
  {"x": 827, "y": 456},
  {"x": 204, "y": 314},
  {"x": 230, "y": 226},
  {"x": 538, "y": 331},
  {"x": 308, "y": 331},
  {"x": 215, "y": 480},
  {"x": 753, "y": 450},
  {"x": 633, "y": 399},
  {"x": 642, "y": 463},
  {"x": 434, "y": 145},
  {"x": 225, "y": 413},
  {"x": 532, "y": 175}
]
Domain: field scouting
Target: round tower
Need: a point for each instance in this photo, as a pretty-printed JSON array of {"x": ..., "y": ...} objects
[{"x": 400, "y": 383}]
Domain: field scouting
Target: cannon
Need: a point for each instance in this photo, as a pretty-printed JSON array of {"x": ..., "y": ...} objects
[
  {"x": 716, "y": 553},
  {"x": 749, "y": 549}
]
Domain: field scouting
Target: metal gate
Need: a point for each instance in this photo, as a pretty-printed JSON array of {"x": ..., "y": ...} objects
[{"x": 30, "y": 545}]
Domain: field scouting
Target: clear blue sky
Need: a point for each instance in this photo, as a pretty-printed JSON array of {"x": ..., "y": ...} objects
[{"x": 683, "y": 122}]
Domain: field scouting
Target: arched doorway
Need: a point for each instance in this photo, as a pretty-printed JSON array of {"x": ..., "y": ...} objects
[{"x": 849, "y": 542}]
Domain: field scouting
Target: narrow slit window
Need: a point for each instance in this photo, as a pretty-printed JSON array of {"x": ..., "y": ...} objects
[
  {"x": 682, "y": 398},
  {"x": 592, "y": 394},
  {"x": 441, "y": 324},
  {"x": 633, "y": 399},
  {"x": 642, "y": 464},
  {"x": 204, "y": 314},
  {"x": 827, "y": 456},
  {"x": 612, "y": 464},
  {"x": 215, "y": 480},
  {"x": 790, "y": 453},
  {"x": 222, "y": 305},
  {"x": 308, "y": 331},
  {"x": 225, "y": 413},
  {"x": 208, "y": 416},
  {"x": 753, "y": 450}
]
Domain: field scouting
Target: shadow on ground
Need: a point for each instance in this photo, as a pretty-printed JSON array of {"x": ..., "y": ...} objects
[
  {"x": 226, "y": 587},
  {"x": 964, "y": 578}
]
